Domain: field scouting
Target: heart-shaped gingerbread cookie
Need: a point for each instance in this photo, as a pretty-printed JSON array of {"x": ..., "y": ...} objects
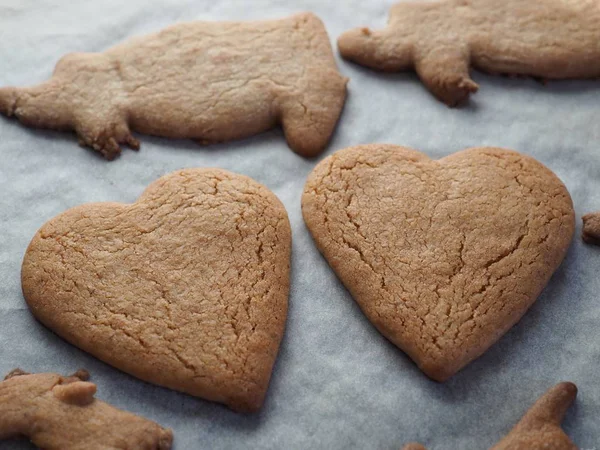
[
  {"x": 186, "y": 288},
  {"x": 442, "y": 256}
]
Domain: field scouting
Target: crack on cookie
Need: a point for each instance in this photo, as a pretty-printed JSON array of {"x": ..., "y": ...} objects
[{"x": 505, "y": 254}]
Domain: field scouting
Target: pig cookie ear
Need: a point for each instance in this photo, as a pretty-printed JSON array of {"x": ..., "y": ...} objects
[
  {"x": 75, "y": 392},
  {"x": 81, "y": 374},
  {"x": 15, "y": 373}
]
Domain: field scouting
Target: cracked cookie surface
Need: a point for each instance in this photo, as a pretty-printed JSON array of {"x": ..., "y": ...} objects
[
  {"x": 207, "y": 81},
  {"x": 441, "y": 40},
  {"x": 61, "y": 413},
  {"x": 186, "y": 288},
  {"x": 443, "y": 256},
  {"x": 539, "y": 429}
]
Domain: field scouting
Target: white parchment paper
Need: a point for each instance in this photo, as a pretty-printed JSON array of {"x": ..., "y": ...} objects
[{"x": 337, "y": 382}]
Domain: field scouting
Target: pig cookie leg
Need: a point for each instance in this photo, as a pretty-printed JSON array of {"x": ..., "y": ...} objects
[
  {"x": 104, "y": 135},
  {"x": 445, "y": 72},
  {"x": 99, "y": 106},
  {"x": 308, "y": 120},
  {"x": 303, "y": 130}
]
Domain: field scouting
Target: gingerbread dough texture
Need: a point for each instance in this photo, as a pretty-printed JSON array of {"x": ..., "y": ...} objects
[
  {"x": 441, "y": 40},
  {"x": 61, "y": 413},
  {"x": 443, "y": 257},
  {"x": 539, "y": 429},
  {"x": 591, "y": 228},
  {"x": 185, "y": 288},
  {"x": 207, "y": 81}
]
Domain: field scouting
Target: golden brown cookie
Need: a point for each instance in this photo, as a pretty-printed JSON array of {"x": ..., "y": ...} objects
[
  {"x": 591, "y": 228},
  {"x": 441, "y": 40},
  {"x": 442, "y": 256},
  {"x": 60, "y": 413},
  {"x": 539, "y": 429},
  {"x": 186, "y": 288},
  {"x": 209, "y": 81}
]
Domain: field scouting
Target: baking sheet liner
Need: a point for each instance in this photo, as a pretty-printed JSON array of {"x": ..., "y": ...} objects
[{"x": 338, "y": 383}]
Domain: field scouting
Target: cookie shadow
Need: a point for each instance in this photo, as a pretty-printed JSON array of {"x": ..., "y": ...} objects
[
  {"x": 273, "y": 138},
  {"x": 66, "y": 141},
  {"x": 268, "y": 138},
  {"x": 166, "y": 403},
  {"x": 533, "y": 90},
  {"x": 60, "y": 141},
  {"x": 17, "y": 444},
  {"x": 523, "y": 84},
  {"x": 404, "y": 82},
  {"x": 510, "y": 352},
  {"x": 534, "y": 327},
  {"x": 540, "y": 85},
  {"x": 359, "y": 324},
  {"x": 169, "y": 408}
]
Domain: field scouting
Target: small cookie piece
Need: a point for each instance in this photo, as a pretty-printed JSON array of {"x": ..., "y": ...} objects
[
  {"x": 442, "y": 39},
  {"x": 59, "y": 413},
  {"x": 208, "y": 81},
  {"x": 186, "y": 288},
  {"x": 413, "y": 446},
  {"x": 591, "y": 228},
  {"x": 443, "y": 257},
  {"x": 539, "y": 429}
]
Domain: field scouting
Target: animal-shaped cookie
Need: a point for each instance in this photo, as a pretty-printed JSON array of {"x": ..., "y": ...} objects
[
  {"x": 591, "y": 228},
  {"x": 441, "y": 40},
  {"x": 539, "y": 429},
  {"x": 60, "y": 413},
  {"x": 186, "y": 288},
  {"x": 444, "y": 256},
  {"x": 207, "y": 81}
]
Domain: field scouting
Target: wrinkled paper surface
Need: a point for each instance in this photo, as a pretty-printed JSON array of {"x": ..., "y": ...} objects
[{"x": 337, "y": 384}]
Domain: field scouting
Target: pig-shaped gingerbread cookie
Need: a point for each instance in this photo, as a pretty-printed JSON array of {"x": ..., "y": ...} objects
[
  {"x": 207, "y": 81},
  {"x": 549, "y": 39},
  {"x": 60, "y": 413}
]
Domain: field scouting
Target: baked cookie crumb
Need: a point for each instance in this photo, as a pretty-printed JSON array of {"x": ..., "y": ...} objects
[{"x": 591, "y": 228}]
